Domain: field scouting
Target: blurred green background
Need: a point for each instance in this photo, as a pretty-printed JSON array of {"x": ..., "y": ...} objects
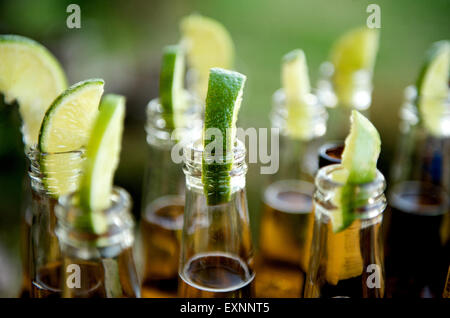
[{"x": 121, "y": 41}]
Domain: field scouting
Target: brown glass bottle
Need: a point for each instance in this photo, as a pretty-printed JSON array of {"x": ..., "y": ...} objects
[
  {"x": 96, "y": 264},
  {"x": 287, "y": 221},
  {"x": 417, "y": 227},
  {"x": 347, "y": 263},
  {"x": 163, "y": 201}
]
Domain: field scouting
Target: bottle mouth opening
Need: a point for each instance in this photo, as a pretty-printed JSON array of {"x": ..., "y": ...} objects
[
  {"x": 117, "y": 216},
  {"x": 157, "y": 128},
  {"x": 325, "y": 181},
  {"x": 66, "y": 163},
  {"x": 332, "y": 151},
  {"x": 194, "y": 154},
  {"x": 328, "y": 87}
]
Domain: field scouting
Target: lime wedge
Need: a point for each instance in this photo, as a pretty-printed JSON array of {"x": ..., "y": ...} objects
[
  {"x": 208, "y": 44},
  {"x": 65, "y": 129},
  {"x": 67, "y": 123},
  {"x": 171, "y": 91},
  {"x": 359, "y": 159},
  {"x": 356, "y": 50},
  {"x": 296, "y": 87},
  {"x": 30, "y": 75},
  {"x": 102, "y": 159},
  {"x": 223, "y": 101},
  {"x": 433, "y": 90}
]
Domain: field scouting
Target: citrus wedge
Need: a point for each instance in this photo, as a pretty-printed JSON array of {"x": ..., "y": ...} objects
[
  {"x": 356, "y": 50},
  {"x": 208, "y": 44},
  {"x": 359, "y": 159},
  {"x": 30, "y": 75},
  {"x": 65, "y": 130},
  {"x": 223, "y": 101},
  {"x": 433, "y": 89},
  {"x": 102, "y": 159},
  {"x": 297, "y": 87}
]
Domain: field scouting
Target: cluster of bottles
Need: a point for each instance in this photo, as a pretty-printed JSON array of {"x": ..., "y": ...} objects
[{"x": 188, "y": 248}]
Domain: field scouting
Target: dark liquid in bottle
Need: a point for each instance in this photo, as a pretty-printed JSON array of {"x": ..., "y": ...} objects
[
  {"x": 216, "y": 275},
  {"x": 285, "y": 238},
  {"x": 330, "y": 153},
  {"x": 417, "y": 253},
  {"x": 161, "y": 232}
]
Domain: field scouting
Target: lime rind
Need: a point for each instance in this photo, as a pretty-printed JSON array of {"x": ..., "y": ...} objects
[
  {"x": 208, "y": 44},
  {"x": 433, "y": 89},
  {"x": 102, "y": 159},
  {"x": 225, "y": 89},
  {"x": 30, "y": 75},
  {"x": 171, "y": 92}
]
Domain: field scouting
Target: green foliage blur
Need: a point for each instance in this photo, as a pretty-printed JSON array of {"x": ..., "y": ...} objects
[{"x": 122, "y": 41}]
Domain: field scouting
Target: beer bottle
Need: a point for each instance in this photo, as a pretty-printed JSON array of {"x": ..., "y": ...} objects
[
  {"x": 216, "y": 253},
  {"x": 417, "y": 225},
  {"x": 97, "y": 264},
  {"x": 348, "y": 263}
]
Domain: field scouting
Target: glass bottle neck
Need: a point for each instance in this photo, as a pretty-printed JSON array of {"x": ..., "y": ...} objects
[
  {"x": 46, "y": 169},
  {"x": 159, "y": 134},
  {"x": 371, "y": 199},
  {"x": 316, "y": 122},
  {"x": 353, "y": 91},
  {"x": 76, "y": 242},
  {"x": 193, "y": 158}
]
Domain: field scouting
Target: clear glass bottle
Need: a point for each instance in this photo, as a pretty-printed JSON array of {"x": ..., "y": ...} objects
[
  {"x": 418, "y": 223},
  {"x": 341, "y": 100},
  {"x": 286, "y": 220},
  {"x": 97, "y": 265},
  {"x": 44, "y": 257},
  {"x": 216, "y": 252},
  {"x": 163, "y": 200},
  {"x": 347, "y": 263}
]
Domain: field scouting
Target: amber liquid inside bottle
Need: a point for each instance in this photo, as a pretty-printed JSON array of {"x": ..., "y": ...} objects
[
  {"x": 92, "y": 279},
  {"x": 417, "y": 249},
  {"x": 214, "y": 276},
  {"x": 285, "y": 239},
  {"x": 330, "y": 153},
  {"x": 161, "y": 231}
]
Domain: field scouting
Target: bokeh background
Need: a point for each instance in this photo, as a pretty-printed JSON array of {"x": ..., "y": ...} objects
[{"x": 121, "y": 41}]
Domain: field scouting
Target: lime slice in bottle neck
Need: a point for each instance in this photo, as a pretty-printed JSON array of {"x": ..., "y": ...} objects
[
  {"x": 353, "y": 52},
  {"x": 297, "y": 90},
  {"x": 30, "y": 75},
  {"x": 433, "y": 90},
  {"x": 171, "y": 92},
  {"x": 359, "y": 160},
  {"x": 102, "y": 159},
  {"x": 208, "y": 44},
  {"x": 223, "y": 101},
  {"x": 66, "y": 127}
]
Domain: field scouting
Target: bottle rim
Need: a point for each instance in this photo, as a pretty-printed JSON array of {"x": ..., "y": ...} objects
[
  {"x": 193, "y": 156},
  {"x": 38, "y": 176},
  {"x": 362, "y": 90},
  {"x": 120, "y": 223},
  {"x": 279, "y": 114},
  {"x": 156, "y": 131},
  {"x": 371, "y": 198}
]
